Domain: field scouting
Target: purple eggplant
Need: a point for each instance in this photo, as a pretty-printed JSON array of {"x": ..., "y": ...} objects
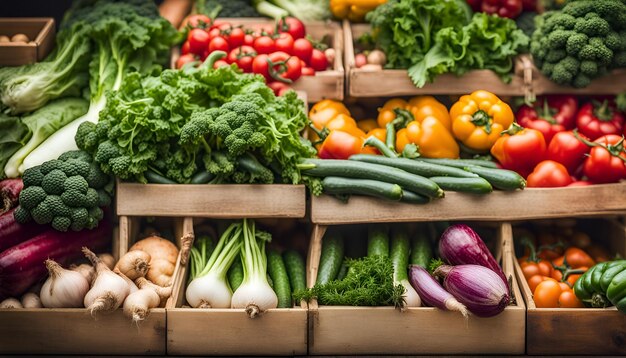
[
  {"x": 431, "y": 292},
  {"x": 13, "y": 233}
]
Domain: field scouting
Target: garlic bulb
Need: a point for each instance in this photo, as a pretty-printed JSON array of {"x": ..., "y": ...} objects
[{"x": 63, "y": 288}]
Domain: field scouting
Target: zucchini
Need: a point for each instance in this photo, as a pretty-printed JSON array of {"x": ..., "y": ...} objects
[
  {"x": 154, "y": 178},
  {"x": 500, "y": 178},
  {"x": 331, "y": 258},
  {"x": 421, "y": 250},
  {"x": 412, "y": 198},
  {"x": 377, "y": 241},
  {"x": 235, "y": 274},
  {"x": 278, "y": 273},
  {"x": 466, "y": 185},
  {"x": 201, "y": 178},
  {"x": 358, "y": 170},
  {"x": 460, "y": 163},
  {"x": 349, "y": 186},
  {"x": 295, "y": 270},
  {"x": 415, "y": 166},
  {"x": 400, "y": 255},
  {"x": 343, "y": 271}
]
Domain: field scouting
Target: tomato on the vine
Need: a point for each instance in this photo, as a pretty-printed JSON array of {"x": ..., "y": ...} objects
[
  {"x": 243, "y": 57},
  {"x": 278, "y": 66},
  {"x": 184, "y": 59},
  {"x": 199, "y": 21},
  {"x": 308, "y": 71},
  {"x": 547, "y": 294},
  {"x": 264, "y": 45},
  {"x": 260, "y": 66},
  {"x": 284, "y": 42},
  {"x": 279, "y": 88},
  {"x": 185, "y": 48},
  {"x": 318, "y": 61},
  {"x": 235, "y": 37},
  {"x": 248, "y": 40},
  {"x": 303, "y": 49},
  {"x": 215, "y": 32},
  {"x": 293, "y": 26},
  {"x": 218, "y": 44},
  {"x": 198, "y": 41}
]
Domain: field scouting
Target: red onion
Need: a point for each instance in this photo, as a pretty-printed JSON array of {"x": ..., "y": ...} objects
[
  {"x": 477, "y": 287},
  {"x": 431, "y": 292},
  {"x": 9, "y": 193},
  {"x": 460, "y": 245}
]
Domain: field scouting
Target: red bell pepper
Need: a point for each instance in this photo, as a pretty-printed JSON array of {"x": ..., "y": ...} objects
[
  {"x": 502, "y": 8},
  {"x": 519, "y": 149},
  {"x": 597, "y": 119},
  {"x": 567, "y": 149},
  {"x": 551, "y": 115},
  {"x": 549, "y": 174},
  {"x": 342, "y": 145},
  {"x": 607, "y": 160}
]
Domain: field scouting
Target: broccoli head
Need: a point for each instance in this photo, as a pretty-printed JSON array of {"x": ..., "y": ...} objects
[
  {"x": 236, "y": 124},
  {"x": 65, "y": 193}
]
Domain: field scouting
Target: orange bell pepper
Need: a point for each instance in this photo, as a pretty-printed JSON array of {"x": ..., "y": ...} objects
[
  {"x": 479, "y": 118},
  {"x": 431, "y": 137},
  {"x": 345, "y": 123},
  {"x": 322, "y": 113},
  {"x": 380, "y": 133},
  {"x": 426, "y": 106},
  {"x": 367, "y": 124}
]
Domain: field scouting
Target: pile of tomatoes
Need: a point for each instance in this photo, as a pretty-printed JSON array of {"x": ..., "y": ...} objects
[
  {"x": 281, "y": 54},
  {"x": 552, "y": 264}
]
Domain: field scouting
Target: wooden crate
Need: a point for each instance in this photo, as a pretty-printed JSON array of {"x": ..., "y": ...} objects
[
  {"x": 387, "y": 83},
  {"x": 531, "y": 203},
  {"x": 195, "y": 331},
  {"x": 75, "y": 331},
  {"x": 574, "y": 331},
  {"x": 40, "y": 31},
  {"x": 325, "y": 84},
  {"x": 344, "y": 330}
]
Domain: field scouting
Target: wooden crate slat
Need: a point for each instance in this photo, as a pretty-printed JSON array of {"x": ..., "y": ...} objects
[{"x": 532, "y": 203}]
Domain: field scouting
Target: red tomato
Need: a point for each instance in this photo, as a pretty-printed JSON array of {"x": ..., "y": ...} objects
[
  {"x": 236, "y": 37},
  {"x": 220, "y": 24},
  {"x": 198, "y": 41},
  {"x": 308, "y": 71},
  {"x": 293, "y": 26},
  {"x": 303, "y": 49},
  {"x": 248, "y": 40},
  {"x": 264, "y": 44},
  {"x": 279, "y": 88},
  {"x": 284, "y": 68},
  {"x": 606, "y": 162},
  {"x": 318, "y": 60},
  {"x": 215, "y": 32},
  {"x": 549, "y": 174},
  {"x": 220, "y": 63},
  {"x": 581, "y": 183},
  {"x": 199, "y": 21},
  {"x": 184, "y": 59},
  {"x": 261, "y": 67},
  {"x": 243, "y": 57},
  {"x": 218, "y": 44},
  {"x": 284, "y": 42},
  {"x": 566, "y": 149},
  {"x": 360, "y": 60},
  {"x": 185, "y": 48}
]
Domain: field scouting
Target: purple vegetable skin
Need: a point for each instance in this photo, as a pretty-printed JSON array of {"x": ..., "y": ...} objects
[
  {"x": 13, "y": 233},
  {"x": 431, "y": 292}
]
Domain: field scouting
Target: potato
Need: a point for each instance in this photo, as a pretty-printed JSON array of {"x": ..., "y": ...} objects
[{"x": 20, "y": 38}]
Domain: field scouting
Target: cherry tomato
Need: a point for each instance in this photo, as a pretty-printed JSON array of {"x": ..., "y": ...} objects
[
  {"x": 220, "y": 24},
  {"x": 279, "y": 88},
  {"x": 264, "y": 45},
  {"x": 199, "y": 21},
  {"x": 303, "y": 49},
  {"x": 567, "y": 299},
  {"x": 293, "y": 26},
  {"x": 308, "y": 71},
  {"x": 581, "y": 183},
  {"x": 198, "y": 41},
  {"x": 236, "y": 37},
  {"x": 218, "y": 44},
  {"x": 530, "y": 268},
  {"x": 535, "y": 280},
  {"x": 261, "y": 67},
  {"x": 220, "y": 63},
  {"x": 288, "y": 67},
  {"x": 186, "y": 58},
  {"x": 248, "y": 40},
  {"x": 185, "y": 48},
  {"x": 318, "y": 60},
  {"x": 243, "y": 57},
  {"x": 284, "y": 42},
  {"x": 547, "y": 294},
  {"x": 215, "y": 32},
  {"x": 577, "y": 258}
]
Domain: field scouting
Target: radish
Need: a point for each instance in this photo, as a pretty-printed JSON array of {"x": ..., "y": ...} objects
[{"x": 13, "y": 233}]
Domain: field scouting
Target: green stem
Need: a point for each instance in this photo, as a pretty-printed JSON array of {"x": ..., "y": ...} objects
[
  {"x": 390, "y": 137},
  {"x": 604, "y": 112},
  {"x": 548, "y": 113},
  {"x": 378, "y": 144},
  {"x": 482, "y": 119},
  {"x": 212, "y": 58},
  {"x": 513, "y": 129},
  {"x": 532, "y": 256},
  {"x": 615, "y": 150}
]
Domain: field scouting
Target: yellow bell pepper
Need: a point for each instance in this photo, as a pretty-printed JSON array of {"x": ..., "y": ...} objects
[
  {"x": 367, "y": 124},
  {"x": 431, "y": 137},
  {"x": 425, "y": 106},
  {"x": 479, "y": 118},
  {"x": 353, "y": 10},
  {"x": 322, "y": 113}
]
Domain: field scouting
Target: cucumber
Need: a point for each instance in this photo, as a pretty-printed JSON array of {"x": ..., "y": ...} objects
[
  {"x": 201, "y": 178},
  {"x": 415, "y": 166},
  {"x": 235, "y": 274},
  {"x": 400, "y": 255},
  {"x": 154, "y": 178},
  {"x": 358, "y": 170},
  {"x": 278, "y": 273},
  {"x": 295, "y": 270},
  {"x": 377, "y": 241},
  {"x": 500, "y": 178},
  {"x": 412, "y": 198},
  {"x": 421, "y": 251},
  {"x": 466, "y": 185},
  {"x": 349, "y": 186},
  {"x": 460, "y": 163},
  {"x": 343, "y": 271},
  {"x": 331, "y": 258}
]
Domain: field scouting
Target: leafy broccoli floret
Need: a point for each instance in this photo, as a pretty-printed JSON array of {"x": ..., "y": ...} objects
[
  {"x": 589, "y": 68},
  {"x": 104, "y": 199},
  {"x": 32, "y": 177},
  {"x": 199, "y": 126},
  {"x": 561, "y": 74},
  {"x": 53, "y": 182},
  {"x": 86, "y": 137},
  {"x": 77, "y": 183},
  {"x": 558, "y": 39},
  {"x": 22, "y": 215},
  {"x": 555, "y": 55},
  {"x": 581, "y": 81},
  {"x": 218, "y": 164},
  {"x": 314, "y": 184},
  {"x": 559, "y": 21},
  {"x": 575, "y": 43},
  {"x": 235, "y": 124},
  {"x": 619, "y": 60},
  {"x": 31, "y": 196},
  {"x": 80, "y": 218},
  {"x": 61, "y": 223},
  {"x": 592, "y": 25},
  {"x": 613, "y": 41},
  {"x": 76, "y": 154}
]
